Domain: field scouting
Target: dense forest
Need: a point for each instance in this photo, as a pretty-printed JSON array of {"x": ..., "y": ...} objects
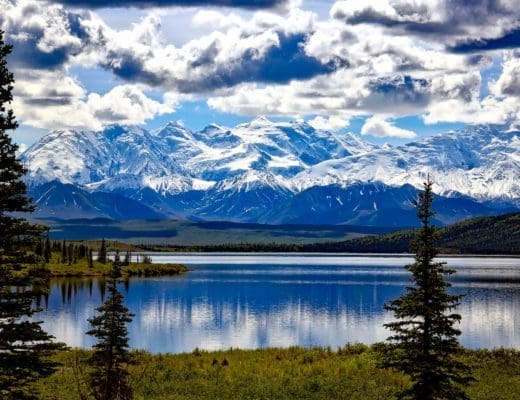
[{"x": 483, "y": 235}]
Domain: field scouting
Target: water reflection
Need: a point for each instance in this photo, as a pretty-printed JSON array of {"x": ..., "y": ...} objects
[{"x": 313, "y": 301}]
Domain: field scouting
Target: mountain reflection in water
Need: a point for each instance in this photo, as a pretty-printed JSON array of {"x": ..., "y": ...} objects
[{"x": 252, "y": 301}]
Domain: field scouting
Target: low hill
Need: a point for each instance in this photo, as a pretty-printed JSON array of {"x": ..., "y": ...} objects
[
  {"x": 214, "y": 233},
  {"x": 483, "y": 235}
]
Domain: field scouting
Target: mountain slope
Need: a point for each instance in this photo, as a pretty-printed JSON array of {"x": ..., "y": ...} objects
[
  {"x": 482, "y": 162},
  {"x": 64, "y": 201},
  {"x": 276, "y": 172},
  {"x": 483, "y": 235}
]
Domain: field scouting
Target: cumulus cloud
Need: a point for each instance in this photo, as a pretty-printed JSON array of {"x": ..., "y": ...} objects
[
  {"x": 461, "y": 25},
  {"x": 50, "y": 100},
  {"x": 508, "y": 84},
  {"x": 379, "y": 127},
  {"x": 384, "y": 57},
  {"x": 21, "y": 148},
  {"x": 332, "y": 123},
  {"x": 507, "y": 41},
  {"x": 349, "y": 92},
  {"x": 269, "y": 51},
  {"x": 43, "y": 37},
  {"x": 125, "y": 104}
]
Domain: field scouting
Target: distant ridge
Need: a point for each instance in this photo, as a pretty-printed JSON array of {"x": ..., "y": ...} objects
[{"x": 483, "y": 235}]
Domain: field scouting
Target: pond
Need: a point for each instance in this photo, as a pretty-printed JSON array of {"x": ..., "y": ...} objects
[{"x": 278, "y": 300}]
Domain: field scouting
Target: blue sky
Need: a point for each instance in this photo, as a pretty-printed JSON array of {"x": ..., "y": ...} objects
[{"x": 390, "y": 70}]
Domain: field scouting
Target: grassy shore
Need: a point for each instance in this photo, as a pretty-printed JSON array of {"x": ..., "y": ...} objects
[
  {"x": 292, "y": 373},
  {"x": 81, "y": 269}
]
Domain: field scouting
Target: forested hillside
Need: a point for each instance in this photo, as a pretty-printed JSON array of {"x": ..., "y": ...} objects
[{"x": 483, "y": 235}]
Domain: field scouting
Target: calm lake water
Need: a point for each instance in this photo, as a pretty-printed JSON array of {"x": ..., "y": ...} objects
[{"x": 266, "y": 300}]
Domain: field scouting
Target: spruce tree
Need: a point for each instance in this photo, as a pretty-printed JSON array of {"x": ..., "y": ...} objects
[
  {"x": 102, "y": 255},
  {"x": 24, "y": 346},
  {"x": 424, "y": 344},
  {"x": 109, "y": 379},
  {"x": 47, "y": 253},
  {"x": 90, "y": 259},
  {"x": 64, "y": 252}
]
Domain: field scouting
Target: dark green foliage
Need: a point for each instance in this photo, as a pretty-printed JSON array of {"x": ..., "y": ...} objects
[
  {"x": 102, "y": 254},
  {"x": 70, "y": 253},
  {"x": 90, "y": 259},
  {"x": 38, "y": 250},
  {"x": 47, "y": 252},
  {"x": 108, "y": 381},
  {"x": 482, "y": 235},
  {"x": 24, "y": 346},
  {"x": 64, "y": 252},
  {"x": 424, "y": 344},
  {"x": 128, "y": 258},
  {"x": 146, "y": 259}
]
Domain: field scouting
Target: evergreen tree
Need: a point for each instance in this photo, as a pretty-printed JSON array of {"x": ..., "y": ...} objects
[
  {"x": 90, "y": 259},
  {"x": 108, "y": 381},
  {"x": 424, "y": 344},
  {"x": 128, "y": 258},
  {"x": 70, "y": 253},
  {"x": 24, "y": 346},
  {"x": 38, "y": 250},
  {"x": 64, "y": 252},
  {"x": 47, "y": 253},
  {"x": 102, "y": 255}
]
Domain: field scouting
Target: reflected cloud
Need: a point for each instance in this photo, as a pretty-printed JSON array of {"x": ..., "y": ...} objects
[{"x": 218, "y": 306}]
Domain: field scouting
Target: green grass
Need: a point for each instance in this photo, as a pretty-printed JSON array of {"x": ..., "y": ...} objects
[
  {"x": 292, "y": 373},
  {"x": 81, "y": 269}
]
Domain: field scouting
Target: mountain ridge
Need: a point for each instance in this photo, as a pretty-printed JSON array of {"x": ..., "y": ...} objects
[{"x": 281, "y": 172}]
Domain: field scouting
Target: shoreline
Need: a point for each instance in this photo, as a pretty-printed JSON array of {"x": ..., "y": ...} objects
[
  {"x": 101, "y": 270},
  {"x": 325, "y": 253}
]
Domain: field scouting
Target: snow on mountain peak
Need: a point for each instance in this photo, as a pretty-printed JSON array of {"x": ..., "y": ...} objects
[
  {"x": 262, "y": 158},
  {"x": 259, "y": 122}
]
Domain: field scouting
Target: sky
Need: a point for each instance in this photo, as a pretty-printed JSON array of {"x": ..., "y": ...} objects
[{"x": 390, "y": 70}]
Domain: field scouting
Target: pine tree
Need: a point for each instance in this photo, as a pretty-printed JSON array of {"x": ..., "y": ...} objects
[
  {"x": 64, "y": 252},
  {"x": 24, "y": 346},
  {"x": 102, "y": 255},
  {"x": 90, "y": 259},
  {"x": 108, "y": 381},
  {"x": 38, "y": 250},
  {"x": 128, "y": 258},
  {"x": 47, "y": 253},
  {"x": 424, "y": 344},
  {"x": 70, "y": 253}
]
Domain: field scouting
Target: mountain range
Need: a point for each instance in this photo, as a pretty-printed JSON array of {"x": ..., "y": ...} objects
[{"x": 270, "y": 172}]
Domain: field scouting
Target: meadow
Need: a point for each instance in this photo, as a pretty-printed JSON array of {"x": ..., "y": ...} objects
[
  {"x": 81, "y": 268},
  {"x": 351, "y": 372}
]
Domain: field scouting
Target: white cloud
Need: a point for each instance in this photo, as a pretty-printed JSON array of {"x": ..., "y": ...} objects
[
  {"x": 377, "y": 70},
  {"x": 213, "y": 19},
  {"x": 448, "y": 21},
  {"x": 125, "y": 104},
  {"x": 379, "y": 127},
  {"x": 508, "y": 84},
  {"x": 51, "y": 100},
  {"x": 21, "y": 148},
  {"x": 332, "y": 123}
]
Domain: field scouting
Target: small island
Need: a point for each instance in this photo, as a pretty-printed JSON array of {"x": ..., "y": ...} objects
[{"x": 80, "y": 259}]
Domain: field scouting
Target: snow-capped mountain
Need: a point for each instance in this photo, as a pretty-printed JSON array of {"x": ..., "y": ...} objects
[
  {"x": 270, "y": 172},
  {"x": 482, "y": 162}
]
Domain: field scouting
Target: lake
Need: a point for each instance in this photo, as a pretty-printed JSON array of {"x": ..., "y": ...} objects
[{"x": 279, "y": 300}]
